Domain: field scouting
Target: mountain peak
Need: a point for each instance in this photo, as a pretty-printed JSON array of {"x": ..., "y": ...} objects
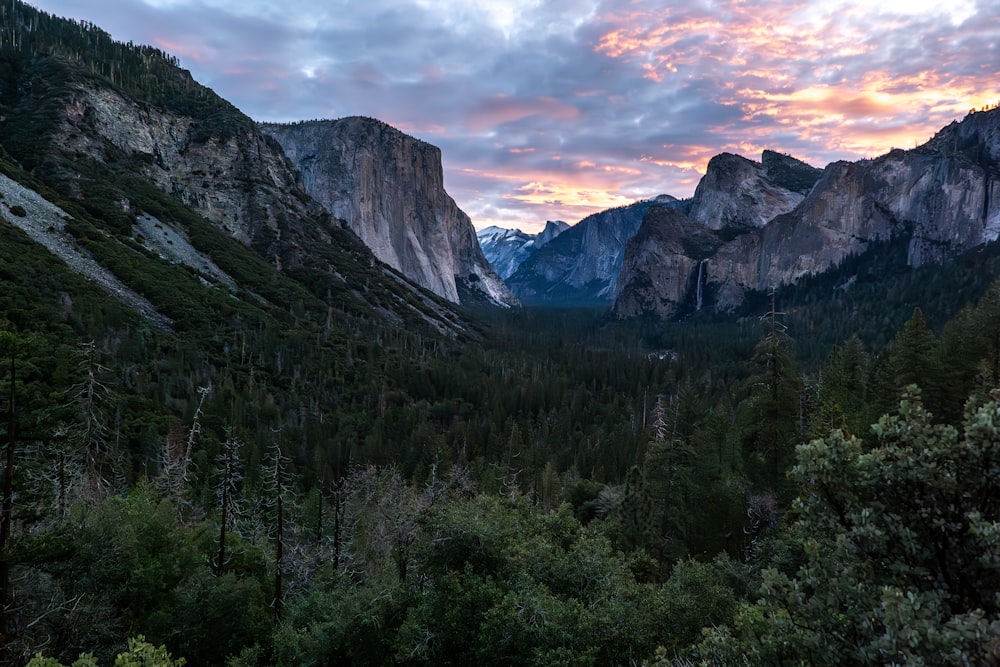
[
  {"x": 739, "y": 193},
  {"x": 507, "y": 249}
]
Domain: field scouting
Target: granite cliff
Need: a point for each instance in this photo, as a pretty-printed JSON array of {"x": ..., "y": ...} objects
[
  {"x": 736, "y": 192},
  {"x": 663, "y": 271},
  {"x": 940, "y": 199},
  {"x": 236, "y": 177},
  {"x": 389, "y": 188}
]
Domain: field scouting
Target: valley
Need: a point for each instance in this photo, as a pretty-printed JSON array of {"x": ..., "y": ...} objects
[{"x": 266, "y": 401}]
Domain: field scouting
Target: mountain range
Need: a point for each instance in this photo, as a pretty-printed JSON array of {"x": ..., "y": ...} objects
[
  {"x": 939, "y": 199},
  {"x": 356, "y": 210},
  {"x": 753, "y": 226},
  {"x": 580, "y": 267},
  {"x": 507, "y": 249}
]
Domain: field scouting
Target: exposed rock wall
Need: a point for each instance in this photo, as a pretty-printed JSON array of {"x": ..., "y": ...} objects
[
  {"x": 737, "y": 192},
  {"x": 663, "y": 266},
  {"x": 224, "y": 168},
  {"x": 238, "y": 179},
  {"x": 389, "y": 187},
  {"x": 943, "y": 197}
]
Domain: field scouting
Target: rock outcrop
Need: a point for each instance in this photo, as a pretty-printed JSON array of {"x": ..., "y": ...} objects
[
  {"x": 736, "y": 192},
  {"x": 581, "y": 265},
  {"x": 507, "y": 249},
  {"x": 665, "y": 266},
  {"x": 941, "y": 199},
  {"x": 389, "y": 188},
  {"x": 236, "y": 177}
]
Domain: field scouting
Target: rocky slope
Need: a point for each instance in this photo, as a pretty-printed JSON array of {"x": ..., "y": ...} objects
[
  {"x": 102, "y": 147},
  {"x": 236, "y": 177},
  {"x": 941, "y": 199},
  {"x": 581, "y": 266},
  {"x": 44, "y": 223},
  {"x": 389, "y": 187},
  {"x": 507, "y": 249}
]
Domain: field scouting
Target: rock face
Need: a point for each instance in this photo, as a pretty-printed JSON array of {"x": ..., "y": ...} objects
[
  {"x": 507, "y": 249},
  {"x": 238, "y": 178},
  {"x": 941, "y": 199},
  {"x": 581, "y": 266},
  {"x": 737, "y": 192},
  {"x": 222, "y": 167},
  {"x": 389, "y": 187},
  {"x": 665, "y": 266}
]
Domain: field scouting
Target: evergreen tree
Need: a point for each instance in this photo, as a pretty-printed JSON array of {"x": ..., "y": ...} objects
[
  {"x": 841, "y": 399},
  {"x": 913, "y": 350},
  {"x": 771, "y": 416},
  {"x": 901, "y": 551}
]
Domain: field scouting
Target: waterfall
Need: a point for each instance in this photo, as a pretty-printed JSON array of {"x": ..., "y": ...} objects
[{"x": 698, "y": 285}]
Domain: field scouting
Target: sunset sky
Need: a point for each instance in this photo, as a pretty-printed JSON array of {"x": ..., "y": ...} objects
[{"x": 555, "y": 109}]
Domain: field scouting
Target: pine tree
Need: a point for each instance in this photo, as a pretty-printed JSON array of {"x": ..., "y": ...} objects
[
  {"x": 841, "y": 396},
  {"x": 771, "y": 416}
]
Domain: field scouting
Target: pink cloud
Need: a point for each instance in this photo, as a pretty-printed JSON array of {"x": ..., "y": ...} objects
[
  {"x": 196, "y": 52},
  {"x": 501, "y": 109}
]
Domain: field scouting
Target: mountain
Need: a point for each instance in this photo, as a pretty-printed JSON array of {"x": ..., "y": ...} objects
[
  {"x": 389, "y": 188},
  {"x": 937, "y": 200},
  {"x": 506, "y": 249},
  {"x": 139, "y": 157},
  {"x": 581, "y": 265}
]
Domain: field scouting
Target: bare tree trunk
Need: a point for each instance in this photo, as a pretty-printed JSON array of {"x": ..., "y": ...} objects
[
  {"x": 279, "y": 560},
  {"x": 8, "y": 506},
  {"x": 338, "y": 514},
  {"x": 229, "y": 474}
]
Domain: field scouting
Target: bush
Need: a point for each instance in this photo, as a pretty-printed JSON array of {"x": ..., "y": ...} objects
[{"x": 18, "y": 210}]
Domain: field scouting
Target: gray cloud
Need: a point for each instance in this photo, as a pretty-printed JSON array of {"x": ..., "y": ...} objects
[{"x": 557, "y": 108}]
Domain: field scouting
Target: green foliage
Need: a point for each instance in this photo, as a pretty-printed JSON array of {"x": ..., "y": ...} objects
[
  {"x": 502, "y": 583},
  {"x": 901, "y": 547},
  {"x": 840, "y": 404},
  {"x": 140, "y": 653},
  {"x": 771, "y": 417}
]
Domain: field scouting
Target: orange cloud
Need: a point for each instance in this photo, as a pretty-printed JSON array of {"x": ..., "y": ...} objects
[{"x": 807, "y": 73}]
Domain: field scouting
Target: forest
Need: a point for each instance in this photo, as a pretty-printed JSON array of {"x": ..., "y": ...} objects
[
  {"x": 564, "y": 490},
  {"x": 285, "y": 476}
]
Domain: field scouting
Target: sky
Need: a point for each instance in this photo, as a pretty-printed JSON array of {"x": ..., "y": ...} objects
[{"x": 556, "y": 109}]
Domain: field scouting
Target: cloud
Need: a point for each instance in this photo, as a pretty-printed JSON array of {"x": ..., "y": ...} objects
[{"x": 550, "y": 109}]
